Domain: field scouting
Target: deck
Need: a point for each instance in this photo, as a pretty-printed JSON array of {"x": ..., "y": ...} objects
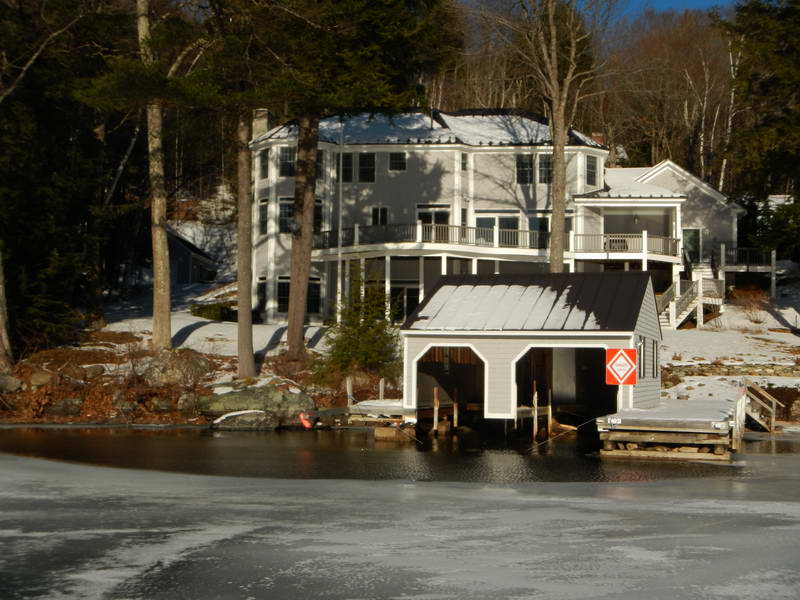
[{"x": 700, "y": 429}]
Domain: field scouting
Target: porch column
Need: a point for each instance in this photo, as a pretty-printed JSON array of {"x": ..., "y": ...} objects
[
  {"x": 339, "y": 276},
  {"x": 387, "y": 284},
  {"x": 699, "y": 307},
  {"x": 772, "y": 280},
  {"x": 644, "y": 250},
  {"x": 362, "y": 265},
  {"x": 421, "y": 278},
  {"x": 474, "y": 262},
  {"x": 444, "y": 264}
]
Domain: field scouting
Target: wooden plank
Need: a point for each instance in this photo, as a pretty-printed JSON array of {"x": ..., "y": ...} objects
[
  {"x": 763, "y": 392},
  {"x": 663, "y": 455},
  {"x": 673, "y": 438},
  {"x": 672, "y": 429}
]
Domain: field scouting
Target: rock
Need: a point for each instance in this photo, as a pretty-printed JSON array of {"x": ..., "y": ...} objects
[
  {"x": 285, "y": 405},
  {"x": 93, "y": 371},
  {"x": 631, "y": 446},
  {"x": 175, "y": 367},
  {"x": 40, "y": 377},
  {"x": 74, "y": 371},
  {"x": 124, "y": 406},
  {"x": 65, "y": 407},
  {"x": 688, "y": 449},
  {"x": 9, "y": 384},
  {"x": 162, "y": 405},
  {"x": 250, "y": 421}
]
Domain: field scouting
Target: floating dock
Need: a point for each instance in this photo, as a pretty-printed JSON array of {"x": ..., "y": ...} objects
[{"x": 700, "y": 429}]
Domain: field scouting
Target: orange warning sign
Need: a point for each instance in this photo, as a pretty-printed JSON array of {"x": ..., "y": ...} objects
[{"x": 621, "y": 366}]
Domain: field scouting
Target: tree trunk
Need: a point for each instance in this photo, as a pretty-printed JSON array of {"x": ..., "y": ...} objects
[
  {"x": 302, "y": 236},
  {"x": 162, "y": 330},
  {"x": 244, "y": 254},
  {"x": 558, "y": 189},
  {"x": 6, "y": 356}
]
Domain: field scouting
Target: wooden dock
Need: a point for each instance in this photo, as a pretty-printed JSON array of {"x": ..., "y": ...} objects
[{"x": 698, "y": 429}]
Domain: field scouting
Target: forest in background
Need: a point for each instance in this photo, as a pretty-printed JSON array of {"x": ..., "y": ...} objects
[{"x": 716, "y": 93}]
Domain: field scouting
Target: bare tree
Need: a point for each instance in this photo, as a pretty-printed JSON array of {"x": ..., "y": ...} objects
[
  {"x": 554, "y": 39},
  {"x": 244, "y": 252},
  {"x": 162, "y": 327},
  {"x": 6, "y": 355}
]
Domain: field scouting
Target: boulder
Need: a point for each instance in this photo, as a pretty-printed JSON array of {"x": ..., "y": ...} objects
[
  {"x": 40, "y": 377},
  {"x": 93, "y": 371},
  {"x": 162, "y": 405},
  {"x": 65, "y": 407},
  {"x": 175, "y": 367},
  {"x": 255, "y": 420},
  {"x": 9, "y": 384},
  {"x": 284, "y": 404}
]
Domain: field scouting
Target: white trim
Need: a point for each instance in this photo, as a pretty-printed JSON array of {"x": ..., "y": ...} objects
[
  {"x": 515, "y": 360},
  {"x": 518, "y": 333},
  {"x": 681, "y": 172},
  {"x": 414, "y": 403}
]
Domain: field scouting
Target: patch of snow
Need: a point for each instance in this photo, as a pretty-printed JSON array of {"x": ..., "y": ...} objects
[{"x": 237, "y": 413}]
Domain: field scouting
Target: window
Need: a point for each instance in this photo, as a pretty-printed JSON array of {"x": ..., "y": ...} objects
[
  {"x": 591, "y": 170},
  {"x": 538, "y": 223},
  {"x": 366, "y": 167},
  {"x": 288, "y": 158},
  {"x": 380, "y": 215},
  {"x": 642, "y": 347},
  {"x": 320, "y": 163},
  {"x": 263, "y": 164},
  {"x": 655, "y": 359},
  {"x": 263, "y": 217},
  {"x": 463, "y": 161},
  {"x": 397, "y": 161},
  {"x": 545, "y": 168},
  {"x": 313, "y": 298},
  {"x": 347, "y": 167},
  {"x": 524, "y": 169},
  {"x": 286, "y": 215},
  {"x": 317, "y": 216}
]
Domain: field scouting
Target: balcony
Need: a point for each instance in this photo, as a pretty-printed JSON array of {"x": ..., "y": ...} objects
[
  {"x": 433, "y": 237},
  {"x": 729, "y": 257}
]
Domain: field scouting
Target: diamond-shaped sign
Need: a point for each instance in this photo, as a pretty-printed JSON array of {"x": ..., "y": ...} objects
[{"x": 621, "y": 366}]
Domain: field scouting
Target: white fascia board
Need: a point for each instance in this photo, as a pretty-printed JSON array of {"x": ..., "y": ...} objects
[
  {"x": 537, "y": 333},
  {"x": 630, "y": 203}
]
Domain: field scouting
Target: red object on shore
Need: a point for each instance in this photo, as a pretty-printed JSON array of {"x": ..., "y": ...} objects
[
  {"x": 621, "y": 366},
  {"x": 305, "y": 421}
]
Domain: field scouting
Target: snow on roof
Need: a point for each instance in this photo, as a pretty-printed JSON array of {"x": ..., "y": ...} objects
[
  {"x": 623, "y": 183},
  {"x": 366, "y": 128},
  {"x": 498, "y": 129},
  {"x": 536, "y": 302},
  {"x": 474, "y": 128}
]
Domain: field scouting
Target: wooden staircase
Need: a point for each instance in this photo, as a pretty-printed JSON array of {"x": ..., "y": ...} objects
[{"x": 761, "y": 406}]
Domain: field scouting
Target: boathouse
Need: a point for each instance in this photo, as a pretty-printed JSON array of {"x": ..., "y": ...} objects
[{"x": 491, "y": 342}]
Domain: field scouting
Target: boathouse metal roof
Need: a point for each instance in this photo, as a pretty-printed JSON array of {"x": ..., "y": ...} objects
[{"x": 608, "y": 301}]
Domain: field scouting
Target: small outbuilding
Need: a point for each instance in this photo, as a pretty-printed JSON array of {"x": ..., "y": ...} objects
[{"x": 490, "y": 341}]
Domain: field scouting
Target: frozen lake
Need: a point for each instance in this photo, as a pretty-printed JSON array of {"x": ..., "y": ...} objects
[{"x": 71, "y": 530}]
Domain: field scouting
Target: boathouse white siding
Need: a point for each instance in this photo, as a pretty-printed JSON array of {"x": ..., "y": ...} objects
[{"x": 501, "y": 317}]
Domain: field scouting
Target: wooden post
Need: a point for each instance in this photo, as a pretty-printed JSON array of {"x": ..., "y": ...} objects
[
  {"x": 535, "y": 413},
  {"x": 549, "y": 413},
  {"x": 455, "y": 408},
  {"x": 381, "y": 388},
  {"x": 435, "y": 409},
  {"x": 349, "y": 384}
]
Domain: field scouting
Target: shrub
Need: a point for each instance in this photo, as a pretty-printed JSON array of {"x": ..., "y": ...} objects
[
  {"x": 753, "y": 302},
  {"x": 363, "y": 341},
  {"x": 217, "y": 311}
]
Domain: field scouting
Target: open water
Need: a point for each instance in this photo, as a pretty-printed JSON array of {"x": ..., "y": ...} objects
[{"x": 354, "y": 454}]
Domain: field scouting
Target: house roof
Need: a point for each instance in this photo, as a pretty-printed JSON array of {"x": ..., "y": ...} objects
[
  {"x": 181, "y": 240},
  {"x": 490, "y": 127},
  {"x": 537, "y": 302},
  {"x": 626, "y": 183}
]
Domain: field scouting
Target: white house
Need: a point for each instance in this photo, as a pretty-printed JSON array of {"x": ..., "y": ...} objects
[{"x": 410, "y": 197}]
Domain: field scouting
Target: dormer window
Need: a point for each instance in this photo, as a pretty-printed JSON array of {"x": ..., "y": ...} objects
[{"x": 591, "y": 170}]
